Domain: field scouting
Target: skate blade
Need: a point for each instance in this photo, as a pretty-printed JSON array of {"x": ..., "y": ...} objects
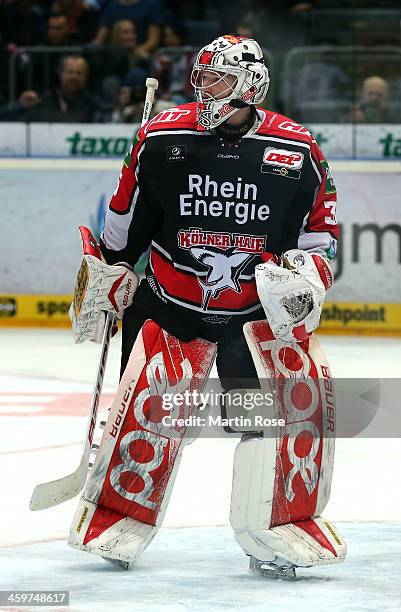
[
  {"x": 117, "y": 563},
  {"x": 272, "y": 571}
]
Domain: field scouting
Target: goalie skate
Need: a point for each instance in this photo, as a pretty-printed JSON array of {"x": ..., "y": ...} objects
[
  {"x": 117, "y": 563},
  {"x": 279, "y": 568},
  {"x": 121, "y": 542}
]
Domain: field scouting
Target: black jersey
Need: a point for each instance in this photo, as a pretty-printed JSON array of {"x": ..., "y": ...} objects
[{"x": 209, "y": 208}]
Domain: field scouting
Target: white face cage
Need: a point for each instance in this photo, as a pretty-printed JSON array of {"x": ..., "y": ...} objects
[{"x": 212, "y": 85}]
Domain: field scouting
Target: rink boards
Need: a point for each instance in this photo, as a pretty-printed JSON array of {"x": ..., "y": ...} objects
[
  {"x": 337, "y": 317},
  {"x": 44, "y": 201}
]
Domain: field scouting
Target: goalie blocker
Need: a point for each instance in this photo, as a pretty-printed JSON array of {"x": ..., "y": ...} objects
[{"x": 281, "y": 484}]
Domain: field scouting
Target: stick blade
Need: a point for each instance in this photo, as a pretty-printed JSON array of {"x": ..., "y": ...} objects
[{"x": 55, "y": 492}]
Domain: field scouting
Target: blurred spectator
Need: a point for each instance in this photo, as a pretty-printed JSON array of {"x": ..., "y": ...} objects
[
  {"x": 124, "y": 36},
  {"x": 45, "y": 65},
  {"x": 130, "y": 103},
  {"x": 58, "y": 30},
  {"x": 321, "y": 79},
  {"x": 320, "y": 86},
  {"x": 147, "y": 15},
  {"x": 173, "y": 64},
  {"x": 125, "y": 110},
  {"x": 120, "y": 62},
  {"x": 373, "y": 106},
  {"x": 174, "y": 35},
  {"x": 82, "y": 16},
  {"x": 70, "y": 102},
  {"x": 40, "y": 69},
  {"x": 16, "y": 111}
]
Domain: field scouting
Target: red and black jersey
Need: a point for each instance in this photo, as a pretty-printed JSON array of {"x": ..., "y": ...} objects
[{"x": 209, "y": 208}]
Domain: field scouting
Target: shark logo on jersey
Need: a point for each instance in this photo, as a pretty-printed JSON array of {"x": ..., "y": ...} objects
[
  {"x": 223, "y": 271},
  {"x": 224, "y": 255}
]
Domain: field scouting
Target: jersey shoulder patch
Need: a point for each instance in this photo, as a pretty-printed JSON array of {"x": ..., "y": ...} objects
[
  {"x": 280, "y": 125},
  {"x": 176, "y": 117}
]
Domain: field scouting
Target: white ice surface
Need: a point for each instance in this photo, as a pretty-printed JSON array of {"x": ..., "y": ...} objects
[
  {"x": 45, "y": 383},
  {"x": 202, "y": 569}
]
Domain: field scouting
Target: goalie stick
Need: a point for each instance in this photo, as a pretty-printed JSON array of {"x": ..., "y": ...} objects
[{"x": 55, "y": 492}]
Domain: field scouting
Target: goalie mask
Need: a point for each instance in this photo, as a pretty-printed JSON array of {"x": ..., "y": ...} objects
[{"x": 228, "y": 74}]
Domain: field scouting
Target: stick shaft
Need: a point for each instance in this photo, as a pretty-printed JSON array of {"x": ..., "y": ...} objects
[{"x": 151, "y": 86}]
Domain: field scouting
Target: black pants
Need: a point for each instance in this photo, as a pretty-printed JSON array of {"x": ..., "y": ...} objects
[{"x": 234, "y": 361}]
